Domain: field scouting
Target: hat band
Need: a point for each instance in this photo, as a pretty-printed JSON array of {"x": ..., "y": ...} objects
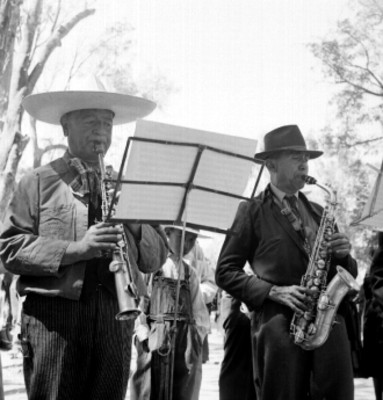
[{"x": 292, "y": 148}]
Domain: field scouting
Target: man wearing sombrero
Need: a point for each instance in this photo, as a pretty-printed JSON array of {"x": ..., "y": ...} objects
[
  {"x": 156, "y": 377},
  {"x": 274, "y": 232},
  {"x": 73, "y": 346}
]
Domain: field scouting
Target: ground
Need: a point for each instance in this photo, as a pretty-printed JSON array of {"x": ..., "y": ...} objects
[{"x": 14, "y": 384}]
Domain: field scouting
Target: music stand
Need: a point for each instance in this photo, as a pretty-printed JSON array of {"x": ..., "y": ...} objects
[
  {"x": 177, "y": 175},
  {"x": 186, "y": 177},
  {"x": 372, "y": 214}
]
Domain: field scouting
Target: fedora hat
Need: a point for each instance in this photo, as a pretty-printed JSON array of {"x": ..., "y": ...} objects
[
  {"x": 51, "y": 106},
  {"x": 187, "y": 229},
  {"x": 285, "y": 138}
]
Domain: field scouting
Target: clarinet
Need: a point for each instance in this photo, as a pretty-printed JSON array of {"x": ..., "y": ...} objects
[{"x": 126, "y": 289}]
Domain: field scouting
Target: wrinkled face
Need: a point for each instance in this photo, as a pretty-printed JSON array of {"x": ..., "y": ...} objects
[
  {"x": 85, "y": 129},
  {"x": 175, "y": 237},
  {"x": 288, "y": 170}
]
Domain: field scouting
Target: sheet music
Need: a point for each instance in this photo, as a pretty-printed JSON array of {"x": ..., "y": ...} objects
[{"x": 161, "y": 171}]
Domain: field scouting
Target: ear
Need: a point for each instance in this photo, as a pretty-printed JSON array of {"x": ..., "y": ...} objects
[{"x": 271, "y": 165}]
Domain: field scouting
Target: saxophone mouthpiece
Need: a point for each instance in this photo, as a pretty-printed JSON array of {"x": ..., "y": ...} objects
[{"x": 310, "y": 180}]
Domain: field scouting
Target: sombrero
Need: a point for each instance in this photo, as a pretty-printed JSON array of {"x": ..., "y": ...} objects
[
  {"x": 187, "y": 229},
  {"x": 51, "y": 106}
]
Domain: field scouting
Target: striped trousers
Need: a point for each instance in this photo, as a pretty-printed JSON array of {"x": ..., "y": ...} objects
[{"x": 75, "y": 349}]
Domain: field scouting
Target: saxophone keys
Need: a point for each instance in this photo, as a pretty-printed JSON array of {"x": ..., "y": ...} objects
[
  {"x": 322, "y": 253},
  {"x": 115, "y": 266},
  {"x": 315, "y": 292},
  {"x": 308, "y": 316},
  {"x": 323, "y": 303},
  {"x": 312, "y": 329},
  {"x": 321, "y": 264},
  {"x": 317, "y": 282},
  {"x": 320, "y": 273},
  {"x": 299, "y": 336}
]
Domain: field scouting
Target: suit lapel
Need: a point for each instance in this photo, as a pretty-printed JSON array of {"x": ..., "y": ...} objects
[{"x": 313, "y": 209}]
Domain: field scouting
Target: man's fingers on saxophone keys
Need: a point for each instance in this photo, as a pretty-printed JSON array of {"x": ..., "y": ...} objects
[
  {"x": 301, "y": 298},
  {"x": 299, "y": 292},
  {"x": 298, "y": 306},
  {"x": 340, "y": 245}
]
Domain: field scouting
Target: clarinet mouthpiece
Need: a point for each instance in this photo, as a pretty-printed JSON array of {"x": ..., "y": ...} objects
[{"x": 99, "y": 148}]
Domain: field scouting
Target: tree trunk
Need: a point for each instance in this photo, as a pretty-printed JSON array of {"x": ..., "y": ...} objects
[
  {"x": 12, "y": 141},
  {"x": 7, "y": 177},
  {"x": 9, "y": 20},
  {"x": 19, "y": 81}
]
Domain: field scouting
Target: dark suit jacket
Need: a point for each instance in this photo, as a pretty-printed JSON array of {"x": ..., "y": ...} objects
[
  {"x": 376, "y": 276},
  {"x": 267, "y": 240}
]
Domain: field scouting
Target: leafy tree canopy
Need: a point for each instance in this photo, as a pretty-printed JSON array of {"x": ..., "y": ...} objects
[{"x": 351, "y": 58}]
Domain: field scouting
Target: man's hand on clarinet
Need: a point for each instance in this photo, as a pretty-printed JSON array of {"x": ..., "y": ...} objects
[
  {"x": 98, "y": 238},
  {"x": 135, "y": 229}
]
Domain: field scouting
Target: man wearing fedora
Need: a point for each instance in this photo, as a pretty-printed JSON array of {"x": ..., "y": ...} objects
[
  {"x": 277, "y": 246},
  {"x": 155, "y": 378},
  {"x": 53, "y": 237}
]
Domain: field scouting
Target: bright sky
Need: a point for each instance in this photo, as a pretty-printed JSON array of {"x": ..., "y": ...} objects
[{"x": 242, "y": 67}]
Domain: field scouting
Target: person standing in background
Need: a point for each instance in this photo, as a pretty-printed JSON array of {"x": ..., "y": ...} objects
[
  {"x": 236, "y": 381},
  {"x": 206, "y": 277},
  {"x": 154, "y": 332},
  {"x": 373, "y": 320}
]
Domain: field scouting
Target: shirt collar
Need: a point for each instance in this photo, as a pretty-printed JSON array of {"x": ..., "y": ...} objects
[{"x": 279, "y": 194}]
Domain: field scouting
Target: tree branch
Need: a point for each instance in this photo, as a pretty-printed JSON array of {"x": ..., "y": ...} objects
[
  {"x": 53, "y": 42},
  {"x": 361, "y": 142}
]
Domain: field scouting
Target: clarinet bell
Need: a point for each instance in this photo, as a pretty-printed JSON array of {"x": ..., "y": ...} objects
[{"x": 127, "y": 303}]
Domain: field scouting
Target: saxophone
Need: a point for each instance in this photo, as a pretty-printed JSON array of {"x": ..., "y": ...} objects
[
  {"x": 127, "y": 294},
  {"x": 312, "y": 329}
]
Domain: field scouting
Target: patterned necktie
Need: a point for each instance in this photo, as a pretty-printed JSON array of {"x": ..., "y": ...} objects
[{"x": 293, "y": 203}]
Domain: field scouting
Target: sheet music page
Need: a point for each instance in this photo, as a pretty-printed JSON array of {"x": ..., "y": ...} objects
[
  {"x": 372, "y": 214},
  {"x": 169, "y": 167}
]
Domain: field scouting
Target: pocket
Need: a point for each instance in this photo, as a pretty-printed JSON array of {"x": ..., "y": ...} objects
[
  {"x": 193, "y": 347},
  {"x": 159, "y": 337},
  {"x": 56, "y": 222}
]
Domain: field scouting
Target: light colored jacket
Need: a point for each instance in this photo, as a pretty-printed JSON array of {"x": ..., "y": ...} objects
[
  {"x": 44, "y": 216},
  {"x": 205, "y": 272}
]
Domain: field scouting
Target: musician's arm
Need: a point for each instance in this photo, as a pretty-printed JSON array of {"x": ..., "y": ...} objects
[{"x": 23, "y": 250}]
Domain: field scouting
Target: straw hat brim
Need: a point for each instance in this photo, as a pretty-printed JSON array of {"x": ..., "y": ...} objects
[
  {"x": 188, "y": 229},
  {"x": 51, "y": 106}
]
